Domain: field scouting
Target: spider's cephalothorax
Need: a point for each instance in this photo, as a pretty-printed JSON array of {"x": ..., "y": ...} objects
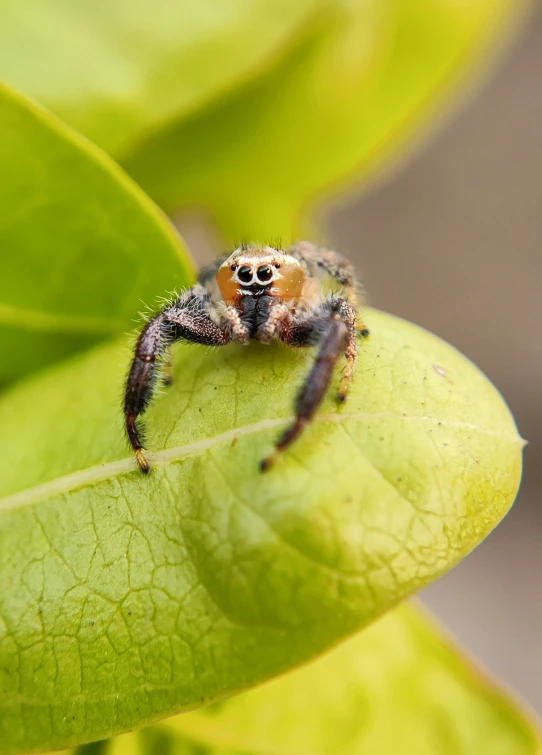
[{"x": 257, "y": 293}]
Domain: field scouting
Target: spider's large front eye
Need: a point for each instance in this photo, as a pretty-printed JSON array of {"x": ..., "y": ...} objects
[
  {"x": 244, "y": 274},
  {"x": 264, "y": 273}
]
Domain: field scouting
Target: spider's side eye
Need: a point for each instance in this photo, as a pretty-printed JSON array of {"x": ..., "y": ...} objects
[
  {"x": 276, "y": 264},
  {"x": 264, "y": 273},
  {"x": 233, "y": 267},
  {"x": 244, "y": 274}
]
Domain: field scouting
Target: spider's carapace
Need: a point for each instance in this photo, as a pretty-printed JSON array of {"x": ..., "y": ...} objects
[{"x": 264, "y": 294}]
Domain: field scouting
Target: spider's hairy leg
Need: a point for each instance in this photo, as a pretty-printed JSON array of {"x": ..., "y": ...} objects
[
  {"x": 338, "y": 267},
  {"x": 197, "y": 298},
  {"x": 347, "y": 313},
  {"x": 185, "y": 319},
  {"x": 332, "y": 344},
  {"x": 332, "y": 262},
  {"x": 207, "y": 275},
  {"x": 141, "y": 381}
]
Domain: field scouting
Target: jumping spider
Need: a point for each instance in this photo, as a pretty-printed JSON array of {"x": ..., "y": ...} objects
[{"x": 263, "y": 293}]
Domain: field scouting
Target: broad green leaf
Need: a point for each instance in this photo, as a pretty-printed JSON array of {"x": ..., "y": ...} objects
[
  {"x": 126, "y": 598},
  {"x": 397, "y": 689},
  {"x": 366, "y": 79},
  {"x": 116, "y": 70},
  {"x": 82, "y": 248}
]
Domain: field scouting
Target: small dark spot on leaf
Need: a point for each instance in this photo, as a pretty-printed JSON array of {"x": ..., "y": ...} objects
[
  {"x": 234, "y": 441},
  {"x": 91, "y": 623}
]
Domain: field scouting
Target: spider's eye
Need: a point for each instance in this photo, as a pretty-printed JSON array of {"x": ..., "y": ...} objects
[
  {"x": 264, "y": 273},
  {"x": 244, "y": 274},
  {"x": 233, "y": 267}
]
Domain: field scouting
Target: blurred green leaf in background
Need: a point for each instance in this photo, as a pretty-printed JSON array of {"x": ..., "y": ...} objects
[
  {"x": 117, "y": 69},
  {"x": 359, "y": 87},
  {"x": 249, "y": 109},
  {"x": 82, "y": 248},
  {"x": 397, "y": 688},
  {"x": 124, "y": 599}
]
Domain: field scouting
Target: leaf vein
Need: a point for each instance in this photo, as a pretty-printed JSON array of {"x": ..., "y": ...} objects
[{"x": 100, "y": 472}]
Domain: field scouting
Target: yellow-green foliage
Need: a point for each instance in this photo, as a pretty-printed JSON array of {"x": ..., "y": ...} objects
[{"x": 125, "y": 598}]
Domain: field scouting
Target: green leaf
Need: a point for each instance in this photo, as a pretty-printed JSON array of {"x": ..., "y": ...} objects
[
  {"x": 116, "y": 70},
  {"x": 362, "y": 85},
  {"x": 399, "y": 688},
  {"x": 82, "y": 246},
  {"x": 126, "y": 598}
]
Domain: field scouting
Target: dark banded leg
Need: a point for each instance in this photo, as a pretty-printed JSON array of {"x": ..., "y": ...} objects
[
  {"x": 348, "y": 315},
  {"x": 335, "y": 265},
  {"x": 178, "y": 321},
  {"x": 141, "y": 382},
  {"x": 333, "y": 343}
]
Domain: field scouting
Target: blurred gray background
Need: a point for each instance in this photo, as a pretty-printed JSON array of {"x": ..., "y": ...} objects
[{"x": 454, "y": 243}]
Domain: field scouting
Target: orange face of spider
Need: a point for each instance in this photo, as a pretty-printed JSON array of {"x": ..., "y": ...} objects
[{"x": 252, "y": 271}]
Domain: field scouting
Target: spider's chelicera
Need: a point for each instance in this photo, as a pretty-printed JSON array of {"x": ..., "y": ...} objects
[{"x": 263, "y": 293}]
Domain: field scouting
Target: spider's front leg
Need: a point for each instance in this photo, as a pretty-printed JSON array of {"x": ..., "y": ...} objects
[
  {"x": 186, "y": 319},
  {"x": 335, "y": 265},
  {"x": 334, "y": 329}
]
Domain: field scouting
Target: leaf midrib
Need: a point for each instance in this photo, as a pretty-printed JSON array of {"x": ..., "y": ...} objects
[{"x": 100, "y": 472}]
